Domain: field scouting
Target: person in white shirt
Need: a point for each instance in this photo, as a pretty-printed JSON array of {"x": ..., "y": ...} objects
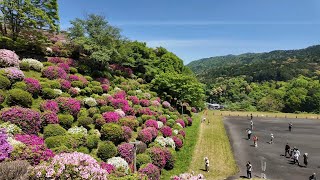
[
  {"x": 272, "y": 137},
  {"x": 206, "y": 163}
]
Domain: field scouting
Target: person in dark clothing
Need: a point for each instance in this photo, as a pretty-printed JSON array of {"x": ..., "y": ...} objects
[
  {"x": 249, "y": 134},
  {"x": 287, "y": 150},
  {"x": 251, "y": 116},
  {"x": 313, "y": 177},
  {"x": 305, "y": 159},
  {"x": 249, "y": 170},
  {"x": 290, "y": 126}
]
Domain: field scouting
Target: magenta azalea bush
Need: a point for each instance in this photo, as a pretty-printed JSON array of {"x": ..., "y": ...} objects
[
  {"x": 151, "y": 171},
  {"x": 69, "y": 105},
  {"x": 151, "y": 123},
  {"x": 182, "y": 133},
  {"x": 162, "y": 119},
  {"x": 166, "y": 131},
  {"x": 145, "y": 111},
  {"x": 153, "y": 131},
  {"x": 128, "y": 110},
  {"x": 35, "y": 151},
  {"x": 126, "y": 152},
  {"x": 144, "y": 102},
  {"x": 55, "y": 60},
  {"x": 103, "y": 80},
  {"x": 180, "y": 121},
  {"x": 5, "y": 147},
  {"x": 120, "y": 95},
  {"x": 145, "y": 136},
  {"x": 54, "y": 72},
  {"x": 127, "y": 133},
  {"x": 14, "y": 74},
  {"x": 105, "y": 87},
  {"x": 134, "y": 99},
  {"x": 28, "y": 120},
  {"x": 70, "y": 166},
  {"x": 73, "y": 77},
  {"x": 157, "y": 156},
  {"x": 49, "y": 117},
  {"x": 111, "y": 117},
  {"x": 49, "y": 105},
  {"x": 33, "y": 85},
  {"x": 178, "y": 142},
  {"x": 189, "y": 121},
  {"x": 8, "y": 58},
  {"x": 119, "y": 102},
  {"x": 194, "y": 110},
  {"x": 65, "y": 67},
  {"x": 65, "y": 84},
  {"x": 108, "y": 167}
]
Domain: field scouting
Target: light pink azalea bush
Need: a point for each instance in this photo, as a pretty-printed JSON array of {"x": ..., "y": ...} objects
[
  {"x": 8, "y": 58},
  {"x": 14, "y": 74},
  {"x": 151, "y": 171},
  {"x": 188, "y": 176}
]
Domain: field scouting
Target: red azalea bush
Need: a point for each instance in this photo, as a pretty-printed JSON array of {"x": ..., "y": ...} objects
[
  {"x": 108, "y": 167},
  {"x": 180, "y": 121},
  {"x": 28, "y": 120},
  {"x": 35, "y": 151},
  {"x": 111, "y": 117},
  {"x": 157, "y": 156},
  {"x": 49, "y": 117},
  {"x": 134, "y": 99},
  {"x": 144, "y": 102},
  {"x": 69, "y": 105},
  {"x": 54, "y": 72},
  {"x": 151, "y": 171},
  {"x": 33, "y": 85},
  {"x": 65, "y": 84},
  {"x": 49, "y": 105},
  {"x": 151, "y": 123},
  {"x": 127, "y": 133},
  {"x": 178, "y": 142},
  {"x": 145, "y": 136},
  {"x": 126, "y": 152},
  {"x": 166, "y": 131},
  {"x": 162, "y": 119},
  {"x": 8, "y": 58}
]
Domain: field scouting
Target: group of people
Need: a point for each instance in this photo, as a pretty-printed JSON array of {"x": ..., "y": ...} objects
[{"x": 294, "y": 153}]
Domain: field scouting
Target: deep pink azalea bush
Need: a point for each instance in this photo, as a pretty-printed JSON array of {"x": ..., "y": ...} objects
[
  {"x": 127, "y": 133},
  {"x": 128, "y": 110},
  {"x": 134, "y": 99},
  {"x": 178, "y": 142},
  {"x": 73, "y": 77},
  {"x": 145, "y": 136},
  {"x": 66, "y": 165},
  {"x": 14, "y": 74},
  {"x": 8, "y": 58},
  {"x": 65, "y": 84},
  {"x": 105, "y": 87},
  {"x": 151, "y": 123},
  {"x": 108, "y": 167},
  {"x": 162, "y": 119},
  {"x": 182, "y": 133},
  {"x": 180, "y": 121},
  {"x": 194, "y": 110},
  {"x": 49, "y": 105},
  {"x": 49, "y": 117},
  {"x": 189, "y": 121},
  {"x": 69, "y": 105},
  {"x": 144, "y": 102},
  {"x": 166, "y": 131},
  {"x": 35, "y": 151},
  {"x": 145, "y": 111},
  {"x": 153, "y": 131},
  {"x": 54, "y": 72},
  {"x": 55, "y": 60},
  {"x": 126, "y": 152},
  {"x": 170, "y": 160},
  {"x": 120, "y": 95},
  {"x": 33, "y": 85},
  {"x": 65, "y": 67},
  {"x": 119, "y": 102},
  {"x": 111, "y": 117},
  {"x": 151, "y": 171},
  {"x": 5, "y": 147},
  {"x": 28, "y": 120},
  {"x": 157, "y": 156},
  {"x": 103, "y": 81}
]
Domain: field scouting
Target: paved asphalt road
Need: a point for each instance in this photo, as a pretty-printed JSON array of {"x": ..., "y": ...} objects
[{"x": 305, "y": 136}]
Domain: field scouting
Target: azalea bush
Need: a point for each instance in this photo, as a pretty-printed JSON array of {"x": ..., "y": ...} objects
[
  {"x": 181, "y": 122},
  {"x": 111, "y": 117},
  {"x": 134, "y": 99},
  {"x": 33, "y": 64},
  {"x": 166, "y": 131},
  {"x": 33, "y": 85},
  {"x": 178, "y": 142},
  {"x": 65, "y": 84},
  {"x": 5, "y": 147},
  {"x": 119, "y": 163},
  {"x": 127, "y": 133},
  {"x": 14, "y": 74},
  {"x": 151, "y": 123},
  {"x": 165, "y": 142},
  {"x": 11, "y": 129},
  {"x": 151, "y": 171},
  {"x": 108, "y": 167},
  {"x": 49, "y": 117},
  {"x": 19, "y": 97},
  {"x": 126, "y": 152},
  {"x": 145, "y": 136},
  {"x": 8, "y": 58},
  {"x": 89, "y": 101},
  {"x": 69, "y": 105},
  {"x": 49, "y": 105},
  {"x": 144, "y": 102},
  {"x": 54, "y": 72}
]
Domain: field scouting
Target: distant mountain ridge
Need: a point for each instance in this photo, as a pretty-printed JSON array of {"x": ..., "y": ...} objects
[{"x": 278, "y": 65}]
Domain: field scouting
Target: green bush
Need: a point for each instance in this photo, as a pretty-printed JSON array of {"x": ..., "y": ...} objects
[
  {"x": 112, "y": 132},
  {"x": 106, "y": 109},
  {"x": 83, "y": 112},
  {"x": 24, "y": 66},
  {"x": 176, "y": 126},
  {"x": 88, "y": 91},
  {"x": 85, "y": 121},
  {"x": 106, "y": 150},
  {"x": 19, "y": 97},
  {"x": 20, "y": 85},
  {"x": 78, "y": 84},
  {"x": 65, "y": 120},
  {"x": 93, "y": 111},
  {"x": 95, "y": 83},
  {"x": 73, "y": 70},
  {"x": 62, "y": 149},
  {"x": 132, "y": 123},
  {"x": 96, "y": 116},
  {"x": 92, "y": 141},
  {"x": 47, "y": 64},
  {"x": 97, "y": 89},
  {"x": 54, "y": 84},
  {"x": 48, "y": 93},
  {"x": 88, "y": 78},
  {"x": 53, "y": 130},
  {"x": 70, "y": 141},
  {"x": 170, "y": 122},
  {"x": 143, "y": 159},
  {"x": 55, "y": 141},
  {"x": 4, "y": 82},
  {"x": 83, "y": 149}
]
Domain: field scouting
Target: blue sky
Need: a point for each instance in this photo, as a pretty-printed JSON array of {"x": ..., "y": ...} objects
[{"x": 195, "y": 29}]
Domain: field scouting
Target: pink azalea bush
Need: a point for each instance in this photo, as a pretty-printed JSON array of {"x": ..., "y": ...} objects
[
  {"x": 145, "y": 136},
  {"x": 180, "y": 121},
  {"x": 33, "y": 85},
  {"x": 111, "y": 117},
  {"x": 108, "y": 167},
  {"x": 127, "y": 133},
  {"x": 134, "y": 99},
  {"x": 120, "y": 112},
  {"x": 5, "y": 147},
  {"x": 188, "y": 176},
  {"x": 119, "y": 102},
  {"x": 178, "y": 142},
  {"x": 28, "y": 120},
  {"x": 105, "y": 87},
  {"x": 14, "y": 74},
  {"x": 153, "y": 131},
  {"x": 74, "y": 91},
  {"x": 126, "y": 152},
  {"x": 35, "y": 151},
  {"x": 66, "y": 165},
  {"x": 8, "y": 58},
  {"x": 49, "y": 117},
  {"x": 194, "y": 110},
  {"x": 162, "y": 119},
  {"x": 128, "y": 110},
  {"x": 151, "y": 171},
  {"x": 151, "y": 123},
  {"x": 166, "y": 131},
  {"x": 65, "y": 67},
  {"x": 157, "y": 156},
  {"x": 155, "y": 103},
  {"x": 49, "y": 105},
  {"x": 54, "y": 72},
  {"x": 55, "y": 60},
  {"x": 145, "y": 111},
  {"x": 73, "y": 77},
  {"x": 144, "y": 102},
  {"x": 189, "y": 121},
  {"x": 120, "y": 95},
  {"x": 69, "y": 105},
  {"x": 103, "y": 80},
  {"x": 166, "y": 104},
  {"x": 182, "y": 133},
  {"x": 65, "y": 84}
]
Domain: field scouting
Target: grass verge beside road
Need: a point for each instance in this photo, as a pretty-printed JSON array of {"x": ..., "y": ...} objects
[{"x": 184, "y": 156}]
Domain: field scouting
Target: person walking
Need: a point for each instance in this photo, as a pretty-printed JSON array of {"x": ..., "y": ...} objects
[
  {"x": 305, "y": 159},
  {"x": 272, "y": 137},
  {"x": 287, "y": 150},
  {"x": 249, "y": 134},
  {"x": 290, "y": 126},
  {"x": 313, "y": 177},
  {"x": 255, "y": 141},
  {"x": 206, "y": 164},
  {"x": 251, "y": 125},
  {"x": 251, "y": 117},
  {"x": 249, "y": 170},
  {"x": 296, "y": 155}
]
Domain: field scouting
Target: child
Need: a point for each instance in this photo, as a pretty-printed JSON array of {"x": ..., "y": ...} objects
[{"x": 206, "y": 163}]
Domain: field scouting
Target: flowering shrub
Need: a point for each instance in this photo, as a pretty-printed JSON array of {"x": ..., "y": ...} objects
[
  {"x": 119, "y": 103},
  {"x": 8, "y": 58},
  {"x": 128, "y": 110},
  {"x": 65, "y": 84},
  {"x": 111, "y": 117},
  {"x": 65, "y": 165},
  {"x": 69, "y": 105},
  {"x": 144, "y": 102},
  {"x": 162, "y": 119},
  {"x": 14, "y": 74},
  {"x": 127, "y": 133},
  {"x": 151, "y": 171},
  {"x": 129, "y": 121},
  {"x": 157, "y": 156},
  {"x": 73, "y": 77},
  {"x": 145, "y": 111},
  {"x": 105, "y": 87},
  {"x": 120, "y": 112},
  {"x": 178, "y": 142},
  {"x": 160, "y": 124},
  {"x": 108, "y": 167},
  {"x": 145, "y": 136},
  {"x": 35, "y": 151},
  {"x": 155, "y": 103},
  {"x": 189, "y": 121},
  {"x": 188, "y": 176},
  {"x": 78, "y": 130},
  {"x": 119, "y": 95},
  {"x": 33, "y": 64},
  {"x": 74, "y": 91},
  {"x": 55, "y": 60},
  {"x": 49, "y": 117},
  {"x": 181, "y": 122},
  {"x": 166, "y": 104},
  {"x": 33, "y": 85},
  {"x": 151, "y": 123},
  {"x": 134, "y": 99},
  {"x": 28, "y": 120},
  {"x": 194, "y": 110},
  {"x": 166, "y": 131},
  {"x": 90, "y": 101},
  {"x": 153, "y": 131},
  {"x": 119, "y": 163},
  {"x": 49, "y": 105},
  {"x": 165, "y": 142},
  {"x": 103, "y": 81},
  {"x": 11, "y": 129},
  {"x": 176, "y": 131},
  {"x": 65, "y": 67},
  {"x": 126, "y": 152},
  {"x": 5, "y": 147},
  {"x": 54, "y": 72}
]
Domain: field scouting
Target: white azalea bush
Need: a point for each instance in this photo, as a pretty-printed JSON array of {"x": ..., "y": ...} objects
[
  {"x": 78, "y": 130},
  {"x": 90, "y": 101},
  {"x": 57, "y": 91},
  {"x": 165, "y": 142},
  {"x": 33, "y": 64},
  {"x": 119, "y": 163},
  {"x": 175, "y": 131},
  {"x": 160, "y": 124},
  {"x": 11, "y": 129}
]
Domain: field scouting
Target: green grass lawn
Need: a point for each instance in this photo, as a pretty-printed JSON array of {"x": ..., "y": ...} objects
[{"x": 184, "y": 156}]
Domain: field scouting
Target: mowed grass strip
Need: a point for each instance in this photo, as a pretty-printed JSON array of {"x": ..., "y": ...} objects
[
  {"x": 213, "y": 143},
  {"x": 184, "y": 155}
]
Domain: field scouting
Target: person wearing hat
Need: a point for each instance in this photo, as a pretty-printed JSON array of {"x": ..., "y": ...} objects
[
  {"x": 313, "y": 177},
  {"x": 305, "y": 159}
]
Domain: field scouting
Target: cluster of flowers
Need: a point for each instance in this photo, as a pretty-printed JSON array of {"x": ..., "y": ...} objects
[
  {"x": 49, "y": 105},
  {"x": 120, "y": 112},
  {"x": 14, "y": 74},
  {"x": 165, "y": 142},
  {"x": 70, "y": 105},
  {"x": 134, "y": 99},
  {"x": 152, "y": 171},
  {"x": 65, "y": 84},
  {"x": 119, "y": 163},
  {"x": 5, "y": 147},
  {"x": 194, "y": 110},
  {"x": 74, "y": 91},
  {"x": 127, "y": 133},
  {"x": 78, "y": 130},
  {"x": 161, "y": 157},
  {"x": 152, "y": 123},
  {"x": 11, "y": 129},
  {"x": 116, "y": 67},
  {"x": 33, "y": 85},
  {"x": 155, "y": 103},
  {"x": 49, "y": 117},
  {"x": 126, "y": 152},
  {"x": 33, "y": 64},
  {"x": 162, "y": 119},
  {"x": 146, "y": 111},
  {"x": 73, "y": 77},
  {"x": 181, "y": 122},
  {"x": 148, "y": 134},
  {"x": 166, "y": 131},
  {"x": 166, "y": 104},
  {"x": 8, "y": 58},
  {"x": 65, "y": 67},
  {"x": 57, "y": 60},
  {"x": 188, "y": 176},
  {"x": 178, "y": 142},
  {"x": 144, "y": 102},
  {"x": 54, "y": 72},
  {"x": 111, "y": 117},
  {"x": 108, "y": 167},
  {"x": 105, "y": 87},
  {"x": 91, "y": 102}
]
